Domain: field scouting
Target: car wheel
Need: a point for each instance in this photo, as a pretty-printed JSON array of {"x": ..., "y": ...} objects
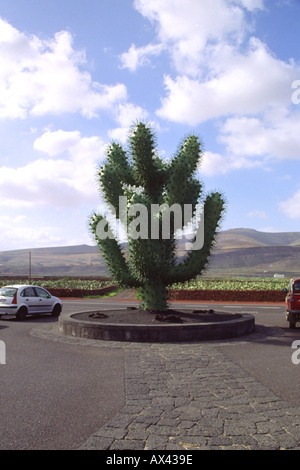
[
  {"x": 21, "y": 314},
  {"x": 292, "y": 325},
  {"x": 56, "y": 311}
]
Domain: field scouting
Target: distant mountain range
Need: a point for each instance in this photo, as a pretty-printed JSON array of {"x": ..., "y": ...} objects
[
  {"x": 248, "y": 238},
  {"x": 238, "y": 252},
  {"x": 250, "y": 252}
]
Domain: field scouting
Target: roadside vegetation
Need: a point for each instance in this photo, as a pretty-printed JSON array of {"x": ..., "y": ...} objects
[
  {"x": 201, "y": 284},
  {"x": 234, "y": 284},
  {"x": 61, "y": 283}
]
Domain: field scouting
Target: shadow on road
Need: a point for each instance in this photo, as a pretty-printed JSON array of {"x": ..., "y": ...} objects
[
  {"x": 31, "y": 319},
  {"x": 271, "y": 335},
  {"x": 2, "y": 327}
]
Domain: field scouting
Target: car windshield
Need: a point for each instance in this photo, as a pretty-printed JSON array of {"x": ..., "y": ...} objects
[
  {"x": 7, "y": 291},
  {"x": 297, "y": 286}
]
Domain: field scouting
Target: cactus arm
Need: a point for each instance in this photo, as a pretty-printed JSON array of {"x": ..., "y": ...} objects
[
  {"x": 114, "y": 175},
  {"x": 118, "y": 159},
  {"x": 113, "y": 254},
  {"x": 181, "y": 171},
  {"x": 149, "y": 171},
  {"x": 196, "y": 260}
]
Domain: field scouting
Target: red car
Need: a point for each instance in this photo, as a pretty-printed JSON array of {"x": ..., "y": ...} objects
[{"x": 292, "y": 302}]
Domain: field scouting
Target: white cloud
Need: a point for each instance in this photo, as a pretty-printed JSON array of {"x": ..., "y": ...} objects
[
  {"x": 291, "y": 207},
  {"x": 258, "y": 213},
  {"x": 60, "y": 182},
  {"x": 213, "y": 163},
  {"x": 217, "y": 164},
  {"x": 255, "y": 142},
  {"x": 55, "y": 143},
  {"x": 126, "y": 114},
  {"x": 182, "y": 25},
  {"x": 241, "y": 83},
  {"x": 39, "y": 77},
  {"x": 19, "y": 230},
  {"x": 274, "y": 136},
  {"x": 188, "y": 29},
  {"x": 139, "y": 56},
  {"x": 269, "y": 229},
  {"x": 252, "y": 5},
  {"x": 224, "y": 72}
]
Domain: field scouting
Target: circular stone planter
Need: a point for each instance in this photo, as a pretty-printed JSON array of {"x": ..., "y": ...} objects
[{"x": 75, "y": 325}]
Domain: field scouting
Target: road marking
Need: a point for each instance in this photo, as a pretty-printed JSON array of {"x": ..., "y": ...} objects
[
  {"x": 248, "y": 311},
  {"x": 254, "y": 306}
]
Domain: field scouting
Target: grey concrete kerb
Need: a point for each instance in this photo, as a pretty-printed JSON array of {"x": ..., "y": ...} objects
[{"x": 166, "y": 333}]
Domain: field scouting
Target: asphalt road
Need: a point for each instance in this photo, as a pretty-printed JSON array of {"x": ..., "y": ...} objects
[
  {"x": 267, "y": 356},
  {"x": 54, "y": 395}
]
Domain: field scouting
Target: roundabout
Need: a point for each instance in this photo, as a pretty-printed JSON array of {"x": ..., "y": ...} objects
[{"x": 173, "y": 326}]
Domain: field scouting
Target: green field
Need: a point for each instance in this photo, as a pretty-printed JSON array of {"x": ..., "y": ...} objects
[
  {"x": 63, "y": 283},
  {"x": 235, "y": 284},
  {"x": 214, "y": 284}
]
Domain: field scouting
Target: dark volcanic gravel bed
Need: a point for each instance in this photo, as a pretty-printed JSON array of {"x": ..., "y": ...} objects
[{"x": 136, "y": 316}]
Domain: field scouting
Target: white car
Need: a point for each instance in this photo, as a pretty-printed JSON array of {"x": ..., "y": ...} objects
[{"x": 21, "y": 300}]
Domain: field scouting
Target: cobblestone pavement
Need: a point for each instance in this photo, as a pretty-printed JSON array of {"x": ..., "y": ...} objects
[{"x": 189, "y": 397}]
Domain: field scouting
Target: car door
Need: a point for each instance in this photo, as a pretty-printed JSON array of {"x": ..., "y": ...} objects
[
  {"x": 44, "y": 300},
  {"x": 30, "y": 299}
]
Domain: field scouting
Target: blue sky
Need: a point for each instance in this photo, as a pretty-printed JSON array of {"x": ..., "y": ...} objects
[{"x": 75, "y": 74}]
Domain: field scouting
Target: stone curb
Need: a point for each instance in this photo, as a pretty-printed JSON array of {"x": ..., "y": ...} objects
[{"x": 171, "y": 333}]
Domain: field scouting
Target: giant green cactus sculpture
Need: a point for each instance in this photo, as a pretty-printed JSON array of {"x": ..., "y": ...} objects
[{"x": 143, "y": 181}]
